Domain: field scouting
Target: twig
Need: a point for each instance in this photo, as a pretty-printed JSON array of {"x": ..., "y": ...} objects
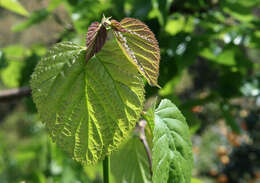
[
  {"x": 11, "y": 94},
  {"x": 141, "y": 128},
  {"x": 59, "y": 21},
  {"x": 68, "y": 28}
]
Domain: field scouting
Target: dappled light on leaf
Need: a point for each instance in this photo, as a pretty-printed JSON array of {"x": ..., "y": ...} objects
[{"x": 88, "y": 108}]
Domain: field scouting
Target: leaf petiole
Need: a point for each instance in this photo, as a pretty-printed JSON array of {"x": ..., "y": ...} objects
[{"x": 106, "y": 169}]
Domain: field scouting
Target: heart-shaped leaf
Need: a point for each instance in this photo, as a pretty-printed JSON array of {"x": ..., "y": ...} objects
[{"x": 88, "y": 108}]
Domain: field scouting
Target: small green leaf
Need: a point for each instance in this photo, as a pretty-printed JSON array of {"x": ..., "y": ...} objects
[
  {"x": 12, "y": 74},
  {"x": 16, "y": 52},
  {"x": 130, "y": 163},
  {"x": 178, "y": 24},
  {"x": 35, "y": 18},
  {"x": 194, "y": 180},
  {"x": 226, "y": 112},
  {"x": 227, "y": 57},
  {"x": 149, "y": 114},
  {"x": 3, "y": 63},
  {"x": 172, "y": 149},
  {"x": 53, "y": 4},
  {"x": 88, "y": 108},
  {"x": 17, "y": 61},
  {"x": 14, "y": 6}
]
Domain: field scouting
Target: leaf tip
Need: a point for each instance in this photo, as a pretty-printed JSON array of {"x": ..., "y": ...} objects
[{"x": 95, "y": 40}]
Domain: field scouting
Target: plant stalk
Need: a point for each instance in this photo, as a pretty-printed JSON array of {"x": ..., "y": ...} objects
[
  {"x": 106, "y": 169},
  {"x": 141, "y": 127}
]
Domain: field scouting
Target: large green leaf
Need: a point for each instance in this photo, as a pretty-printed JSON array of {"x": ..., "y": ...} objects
[
  {"x": 14, "y": 6},
  {"x": 89, "y": 107},
  {"x": 172, "y": 151},
  {"x": 130, "y": 163}
]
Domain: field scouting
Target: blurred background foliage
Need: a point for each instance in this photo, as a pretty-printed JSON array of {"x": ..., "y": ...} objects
[{"x": 210, "y": 68}]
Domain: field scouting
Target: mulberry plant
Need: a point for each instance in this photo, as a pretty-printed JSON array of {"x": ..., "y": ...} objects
[{"x": 91, "y": 101}]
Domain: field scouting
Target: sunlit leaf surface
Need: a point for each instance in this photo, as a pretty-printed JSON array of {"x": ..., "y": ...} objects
[{"x": 89, "y": 109}]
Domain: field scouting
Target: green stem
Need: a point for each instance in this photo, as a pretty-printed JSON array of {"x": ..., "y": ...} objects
[{"x": 106, "y": 168}]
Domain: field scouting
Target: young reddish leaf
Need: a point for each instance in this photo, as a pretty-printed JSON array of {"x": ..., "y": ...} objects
[
  {"x": 140, "y": 45},
  {"x": 117, "y": 26},
  {"x": 96, "y": 38}
]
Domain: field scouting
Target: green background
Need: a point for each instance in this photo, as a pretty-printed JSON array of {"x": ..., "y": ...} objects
[{"x": 210, "y": 68}]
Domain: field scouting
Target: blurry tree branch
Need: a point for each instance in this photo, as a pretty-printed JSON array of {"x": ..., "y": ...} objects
[
  {"x": 15, "y": 93},
  {"x": 59, "y": 21},
  {"x": 68, "y": 28}
]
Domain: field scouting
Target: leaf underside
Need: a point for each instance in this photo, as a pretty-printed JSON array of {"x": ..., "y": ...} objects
[
  {"x": 96, "y": 38},
  {"x": 140, "y": 46},
  {"x": 130, "y": 163},
  {"x": 172, "y": 150},
  {"x": 88, "y": 109}
]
